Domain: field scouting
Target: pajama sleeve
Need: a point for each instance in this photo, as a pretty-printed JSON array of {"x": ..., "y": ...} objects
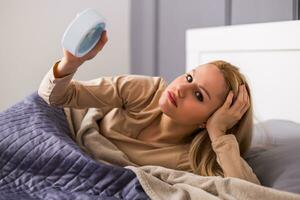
[
  {"x": 228, "y": 156},
  {"x": 125, "y": 91}
]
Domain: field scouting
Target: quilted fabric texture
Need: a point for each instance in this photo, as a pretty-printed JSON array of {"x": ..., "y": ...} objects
[{"x": 38, "y": 160}]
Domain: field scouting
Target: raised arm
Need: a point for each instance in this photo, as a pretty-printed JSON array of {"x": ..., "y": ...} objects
[
  {"x": 127, "y": 91},
  {"x": 225, "y": 145}
]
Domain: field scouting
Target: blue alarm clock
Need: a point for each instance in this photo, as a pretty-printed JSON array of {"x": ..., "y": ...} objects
[{"x": 83, "y": 32}]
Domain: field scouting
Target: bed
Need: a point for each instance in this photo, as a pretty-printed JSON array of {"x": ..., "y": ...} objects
[
  {"x": 39, "y": 160},
  {"x": 268, "y": 54}
]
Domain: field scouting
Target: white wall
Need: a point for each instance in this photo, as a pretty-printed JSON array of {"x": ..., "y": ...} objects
[{"x": 30, "y": 38}]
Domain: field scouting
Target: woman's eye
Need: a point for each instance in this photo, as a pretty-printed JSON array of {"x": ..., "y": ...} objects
[
  {"x": 199, "y": 96},
  {"x": 189, "y": 78}
]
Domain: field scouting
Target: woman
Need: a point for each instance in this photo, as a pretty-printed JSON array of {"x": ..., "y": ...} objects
[{"x": 201, "y": 122}]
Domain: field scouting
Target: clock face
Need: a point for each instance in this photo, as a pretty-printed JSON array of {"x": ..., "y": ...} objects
[{"x": 90, "y": 39}]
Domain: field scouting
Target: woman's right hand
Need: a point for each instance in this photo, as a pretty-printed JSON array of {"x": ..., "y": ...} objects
[
  {"x": 76, "y": 61},
  {"x": 69, "y": 63}
]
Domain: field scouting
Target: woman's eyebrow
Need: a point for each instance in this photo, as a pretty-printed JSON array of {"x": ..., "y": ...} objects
[{"x": 201, "y": 87}]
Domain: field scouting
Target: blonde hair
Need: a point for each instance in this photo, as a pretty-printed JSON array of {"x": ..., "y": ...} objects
[{"x": 202, "y": 158}]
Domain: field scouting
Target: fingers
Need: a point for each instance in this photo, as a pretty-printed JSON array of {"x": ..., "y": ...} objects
[
  {"x": 228, "y": 100},
  {"x": 104, "y": 36},
  {"x": 242, "y": 102},
  {"x": 101, "y": 42},
  {"x": 247, "y": 102}
]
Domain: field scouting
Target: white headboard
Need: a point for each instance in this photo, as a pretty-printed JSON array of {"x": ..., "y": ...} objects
[{"x": 267, "y": 53}]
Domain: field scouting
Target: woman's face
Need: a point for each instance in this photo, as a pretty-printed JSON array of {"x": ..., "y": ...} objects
[{"x": 191, "y": 98}]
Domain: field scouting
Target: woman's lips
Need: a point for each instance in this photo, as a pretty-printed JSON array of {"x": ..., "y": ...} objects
[{"x": 172, "y": 98}]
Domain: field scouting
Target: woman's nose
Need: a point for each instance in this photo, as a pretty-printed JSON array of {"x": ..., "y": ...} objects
[{"x": 184, "y": 88}]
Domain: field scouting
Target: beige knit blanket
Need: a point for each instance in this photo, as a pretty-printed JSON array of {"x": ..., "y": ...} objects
[{"x": 162, "y": 183}]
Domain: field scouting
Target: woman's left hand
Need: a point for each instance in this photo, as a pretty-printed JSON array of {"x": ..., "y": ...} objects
[{"x": 228, "y": 115}]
